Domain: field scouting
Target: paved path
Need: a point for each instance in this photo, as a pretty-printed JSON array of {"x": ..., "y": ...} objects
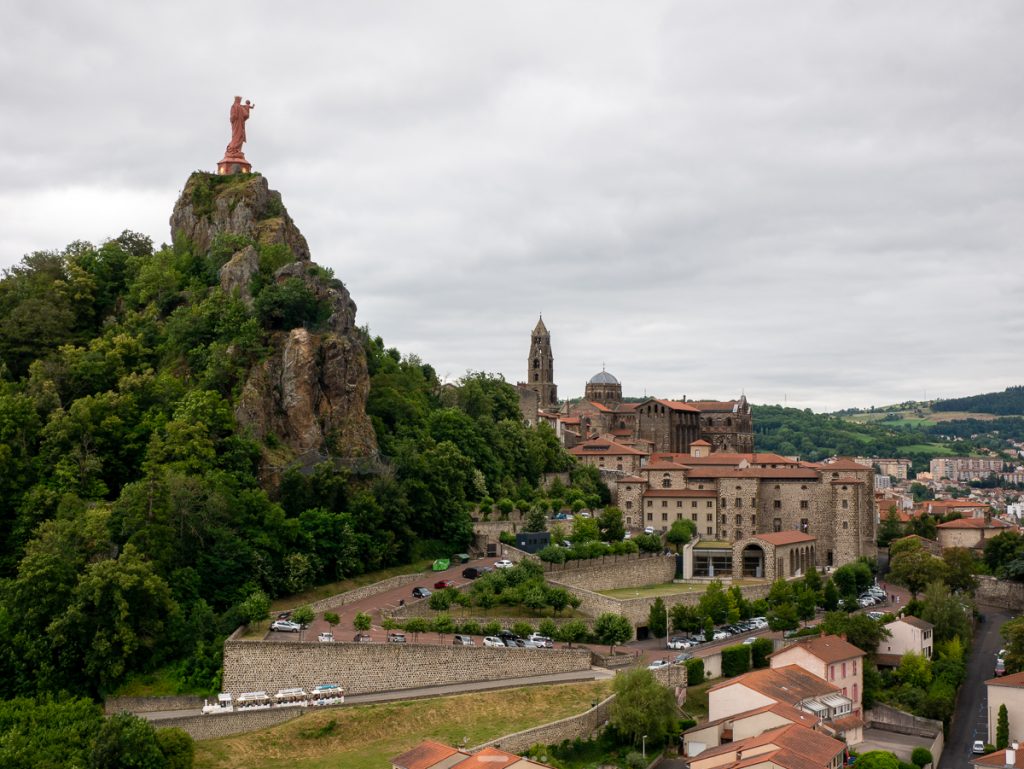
[
  {"x": 970, "y": 719},
  {"x": 593, "y": 674}
]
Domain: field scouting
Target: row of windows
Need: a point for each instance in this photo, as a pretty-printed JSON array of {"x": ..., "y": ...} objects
[
  {"x": 679, "y": 503},
  {"x": 679, "y": 517}
]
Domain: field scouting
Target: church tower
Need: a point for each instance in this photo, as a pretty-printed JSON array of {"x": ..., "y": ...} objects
[{"x": 540, "y": 368}]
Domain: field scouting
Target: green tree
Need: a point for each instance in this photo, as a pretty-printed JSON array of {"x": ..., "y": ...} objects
[
  {"x": 612, "y": 629},
  {"x": 584, "y": 530},
  {"x": 573, "y": 631},
  {"x": 414, "y": 625},
  {"x": 859, "y": 629},
  {"x": 783, "y": 618},
  {"x": 876, "y": 759},
  {"x": 254, "y": 608},
  {"x": 657, "y": 620},
  {"x": 1002, "y": 728},
  {"x": 332, "y": 619},
  {"x": 950, "y": 614},
  {"x": 961, "y": 568},
  {"x": 914, "y": 568},
  {"x": 759, "y": 651},
  {"x": 127, "y": 742},
  {"x": 735, "y": 660},
  {"x": 177, "y": 747},
  {"x": 890, "y": 528},
  {"x": 920, "y": 757},
  {"x": 680, "y": 533},
  {"x": 642, "y": 707},
  {"x": 537, "y": 520},
  {"x": 361, "y": 621},
  {"x": 685, "y": 619},
  {"x": 830, "y": 597},
  {"x": 914, "y": 670},
  {"x": 610, "y": 524}
]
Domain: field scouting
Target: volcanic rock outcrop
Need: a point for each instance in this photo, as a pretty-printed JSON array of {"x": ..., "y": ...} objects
[{"x": 306, "y": 402}]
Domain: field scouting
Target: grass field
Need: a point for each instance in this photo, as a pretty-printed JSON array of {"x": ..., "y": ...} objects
[
  {"x": 367, "y": 737},
  {"x": 667, "y": 588},
  {"x": 333, "y": 588}
]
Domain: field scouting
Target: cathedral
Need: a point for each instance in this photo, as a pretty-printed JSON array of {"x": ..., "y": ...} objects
[{"x": 650, "y": 425}]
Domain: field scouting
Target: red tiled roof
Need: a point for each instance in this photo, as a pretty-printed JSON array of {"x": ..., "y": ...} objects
[
  {"x": 975, "y": 523},
  {"x": 785, "y": 537},
  {"x": 998, "y": 758},
  {"x": 782, "y": 473},
  {"x": 599, "y": 406},
  {"x": 700, "y": 443},
  {"x": 424, "y": 755},
  {"x": 660, "y": 465},
  {"x": 489, "y": 758},
  {"x": 828, "y": 648},
  {"x": 913, "y": 621},
  {"x": 594, "y": 448},
  {"x": 714, "y": 405},
  {"x": 845, "y": 463},
  {"x": 631, "y": 479},
  {"x": 1015, "y": 680},
  {"x": 797, "y": 747},
  {"x": 789, "y": 683},
  {"x": 627, "y": 407},
  {"x": 672, "y": 405}
]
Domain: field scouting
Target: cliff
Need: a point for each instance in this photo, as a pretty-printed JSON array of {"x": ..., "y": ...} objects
[{"x": 306, "y": 401}]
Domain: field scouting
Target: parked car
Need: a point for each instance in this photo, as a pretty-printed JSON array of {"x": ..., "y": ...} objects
[
  {"x": 462, "y": 640},
  {"x": 648, "y": 529},
  {"x": 396, "y": 637},
  {"x": 750, "y": 640},
  {"x": 286, "y": 626},
  {"x": 504, "y": 635},
  {"x": 681, "y": 658},
  {"x": 420, "y": 592},
  {"x": 471, "y": 572},
  {"x": 627, "y": 535},
  {"x": 677, "y": 642},
  {"x": 561, "y": 517},
  {"x": 326, "y": 638},
  {"x": 504, "y": 563},
  {"x": 493, "y": 641},
  {"x": 441, "y": 584},
  {"x": 541, "y": 640},
  {"x": 362, "y": 638},
  {"x": 1000, "y": 667},
  {"x": 978, "y": 747},
  {"x": 759, "y": 622},
  {"x": 285, "y": 615},
  {"x": 511, "y": 643},
  {"x": 876, "y": 615},
  {"x": 720, "y": 635},
  {"x": 658, "y": 664}
]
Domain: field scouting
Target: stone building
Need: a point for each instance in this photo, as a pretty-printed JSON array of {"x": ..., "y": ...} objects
[
  {"x": 732, "y": 497},
  {"x": 540, "y": 368}
]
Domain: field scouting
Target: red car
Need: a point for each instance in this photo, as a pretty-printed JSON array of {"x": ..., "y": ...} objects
[{"x": 442, "y": 584}]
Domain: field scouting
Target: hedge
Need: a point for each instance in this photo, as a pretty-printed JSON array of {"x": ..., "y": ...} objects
[
  {"x": 735, "y": 660},
  {"x": 694, "y": 672}
]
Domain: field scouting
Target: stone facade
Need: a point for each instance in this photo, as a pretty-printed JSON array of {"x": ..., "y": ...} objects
[
  {"x": 368, "y": 668},
  {"x": 614, "y": 571},
  {"x": 150, "y": 704},
  {"x": 540, "y": 368},
  {"x": 1000, "y": 592},
  {"x": 580, "y": 726}
]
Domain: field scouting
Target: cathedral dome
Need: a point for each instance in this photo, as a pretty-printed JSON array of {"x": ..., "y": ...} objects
[{"x": 603, "y": 377}]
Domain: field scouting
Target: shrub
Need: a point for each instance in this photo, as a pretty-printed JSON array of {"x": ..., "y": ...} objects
[
  {"x": 921, "y": 756},
  {"x": 552, "y": 554},
  {"x": 441, "y": 600},
  {"x": 506, "y": 538},
  {"x": 492, "y": 628},
  {"x": 759, "y": 651},
  {"x": 694, "y": 672},
  {"x": 636, "y": 760},
  {"x": 470, "y": 628},
  {"x": 735, "y": 660},
  {"x": 522, "y": 629}
]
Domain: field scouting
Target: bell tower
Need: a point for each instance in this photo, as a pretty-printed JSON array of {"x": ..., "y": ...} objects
[{"x": 540, "y": 367}]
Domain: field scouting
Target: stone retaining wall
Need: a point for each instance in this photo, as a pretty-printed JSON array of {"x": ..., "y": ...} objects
[
  {"x": 893, "y": 720},
  {"x": 401, "y": 613},
  {"x": 226, "y": 724},
  {"x": 351, "y": 596},
  {"x": 114, "y": 705},
  {"x": 1000, "y": 592},
  {"x": 368, "y": 668},
  {"x": 614, "y": 571},
  {"x": 579, "y": 726}
]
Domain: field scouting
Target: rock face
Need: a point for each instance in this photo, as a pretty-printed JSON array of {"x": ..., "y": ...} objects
[
  {"x": 241, "y": 204},
  {"x": 306, "y": 402}
]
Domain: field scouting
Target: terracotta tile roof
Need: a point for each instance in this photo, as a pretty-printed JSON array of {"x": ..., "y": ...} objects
[
  {"x": 888, "y": 660},
  {"x": 998, "y": 758},
  {"x": 975, "y": 523},
  {"x": 951, "y": 503},
  {"x": 789, "y": 684},
  {"x": 845, "y": 481},
  {"x": 728, "y": 459},
  {"x": 626, "y": 407},
  {"x": 623, "y": 432},
  {"x": 782, "y": 473},
  {"x": 788, "y": 712},
  {"x": 599, "y": 406},
  {"x": 715, "y": 405},
  {"x": 599, "y": 447},
  {"x": 785, "y": 537},
  {"x": 491, "y": 758},
  {"x": 681, "y": 493},
  {"x": 846, "y": 723},
  {"x": 671, "y": 405},
  {"x": 700, "y": 443},
  {"x": 827, "y": 648},
  {"x": 658, "y": 464},
  {"x": 913, "y": 621},
  {"x": 1015, "y": 680},
  {"x": 845, "y": 463},
  {"x": 424, "y": 755},
  {"x": 796, "y": 747},
  {"x": 631, "y": 479},
  {"x": 569, "y": 420}
]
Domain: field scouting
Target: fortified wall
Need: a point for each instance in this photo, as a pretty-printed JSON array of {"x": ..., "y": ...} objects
[{"x": 369, "y": 668}]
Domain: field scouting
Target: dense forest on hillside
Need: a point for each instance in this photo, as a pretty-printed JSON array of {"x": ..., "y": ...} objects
[
  {"x": 1007, "y": 403},
  {"x": 135, "y": 513}
]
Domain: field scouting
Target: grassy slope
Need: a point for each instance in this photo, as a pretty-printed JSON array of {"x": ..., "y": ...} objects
[
  {"x": 333, "y": 588},
  {"x": 367, "y": 737}
]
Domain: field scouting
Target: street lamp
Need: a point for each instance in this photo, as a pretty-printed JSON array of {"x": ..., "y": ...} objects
[{"x": 643, "y": 746}]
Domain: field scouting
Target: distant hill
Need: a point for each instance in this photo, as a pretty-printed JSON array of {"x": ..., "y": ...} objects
[{"x": 1007, "y": 403}]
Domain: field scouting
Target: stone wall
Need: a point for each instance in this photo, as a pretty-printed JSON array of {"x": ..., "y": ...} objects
[
  {"x": 342, "y": 599},
  {"x": 114, "y": 705},
  {"x": 226, "y": 724},
  {"x": 892, "y": 720},
  {"x": 582, "y": 726},
  {"x": 367, "y": 668},
  {"x": 1000, "y": 592},
  {"x": 614, "y": 571}
]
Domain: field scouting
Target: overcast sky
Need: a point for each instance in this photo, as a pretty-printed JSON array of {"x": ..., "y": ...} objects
[{"x": 818, "y": 203}]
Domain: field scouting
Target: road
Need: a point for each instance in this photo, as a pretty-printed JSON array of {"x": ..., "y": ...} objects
[{"x": 970, "y": 720}]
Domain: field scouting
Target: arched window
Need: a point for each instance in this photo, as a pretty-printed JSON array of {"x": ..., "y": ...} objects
[
  {"x": 536, "y": 362},
  {"x": 536, "y": 377},
  {"x": 666, "y": 482}
]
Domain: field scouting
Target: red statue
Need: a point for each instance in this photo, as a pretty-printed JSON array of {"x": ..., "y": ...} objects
[{"x": 234, "y": 159}]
